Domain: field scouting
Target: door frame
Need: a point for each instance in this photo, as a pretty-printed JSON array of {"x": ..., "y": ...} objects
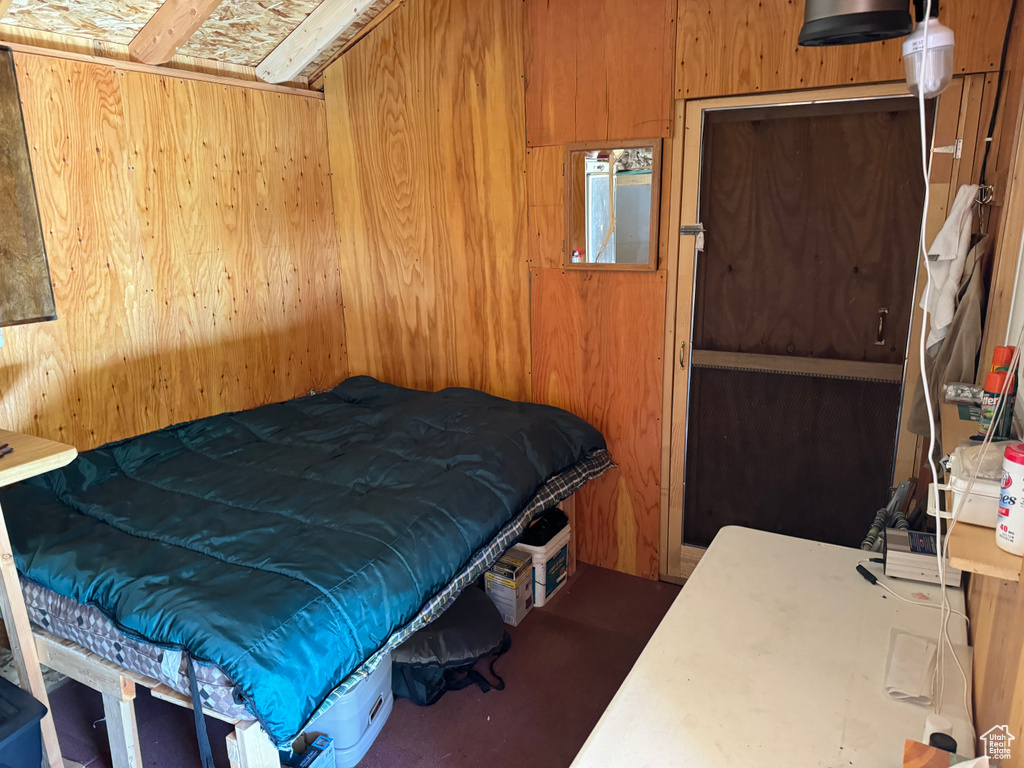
[{"x": 676, "y": 560}]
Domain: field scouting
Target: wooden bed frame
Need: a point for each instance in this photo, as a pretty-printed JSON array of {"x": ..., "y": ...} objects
[{"x": 248, "y": 746}]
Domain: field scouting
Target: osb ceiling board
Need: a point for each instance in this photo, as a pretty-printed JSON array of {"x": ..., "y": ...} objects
[
  {"x": 354, "y": 29},
  {"x": 245, "y": 31},
  {"x": 115, "y": 21}
]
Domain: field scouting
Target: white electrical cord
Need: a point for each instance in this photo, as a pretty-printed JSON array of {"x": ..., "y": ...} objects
[
  {"x": 919, "y": 603},
  {"x": 944, "y": 606}
]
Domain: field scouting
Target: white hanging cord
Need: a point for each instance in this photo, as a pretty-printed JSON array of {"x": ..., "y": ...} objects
[{"x": 943, "y": 639}]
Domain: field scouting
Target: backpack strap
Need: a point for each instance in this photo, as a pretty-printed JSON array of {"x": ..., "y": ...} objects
[
  {"x": 205, "y": 753},
  {"x": 467, "y": 677}
]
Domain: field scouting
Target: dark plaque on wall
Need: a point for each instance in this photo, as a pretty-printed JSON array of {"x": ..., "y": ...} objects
[{"x": 26, "y": 294}]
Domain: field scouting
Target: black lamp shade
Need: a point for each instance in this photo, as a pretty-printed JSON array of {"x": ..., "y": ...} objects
[
  {"x": 26, "y": 294},
  {"x": 846, "y": 22}
]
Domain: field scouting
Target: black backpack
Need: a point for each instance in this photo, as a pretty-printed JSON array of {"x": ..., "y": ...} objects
[{"x": 441, "y": 656}]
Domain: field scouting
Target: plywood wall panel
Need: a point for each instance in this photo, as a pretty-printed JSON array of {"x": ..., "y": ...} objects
[
  {"x": 546, "y": 238},
  {"x": 597, "y": 341},
  {"x": 60, "y": 379},
  {"x": 190, "y": 233},
  {"x": 551, "y": 43},
  {"x": 426, "y": 123},
  {"x": 544, "y": 178},
  {"x": 598, "y": 69},
  {"x": 747, "y": 46},
  {"x": 1006, "y": 168},
  {"x": 624, "y": 69},
  {"x": 996, "y": 609}
]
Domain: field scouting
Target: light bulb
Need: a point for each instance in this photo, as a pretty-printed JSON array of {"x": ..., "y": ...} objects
[{"x": 938, "y": 49}]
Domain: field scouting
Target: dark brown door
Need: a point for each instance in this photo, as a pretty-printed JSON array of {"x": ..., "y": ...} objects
[{"x": 802, "y": 309}]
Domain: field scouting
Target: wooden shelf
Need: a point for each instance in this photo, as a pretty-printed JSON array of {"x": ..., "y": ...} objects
[
  {"x": 32, "y": 456},
  {"x": 973, "y": 548}
]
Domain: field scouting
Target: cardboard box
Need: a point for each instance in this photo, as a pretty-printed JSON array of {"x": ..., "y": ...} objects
[
  {"x": 509, "y": 584},
  {"x": 510, "y": 567},
  {"x": 319, "y": 754}
]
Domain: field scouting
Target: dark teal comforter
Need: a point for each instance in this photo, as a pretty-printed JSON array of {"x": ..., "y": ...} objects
[{"x": 286, "y": 543}]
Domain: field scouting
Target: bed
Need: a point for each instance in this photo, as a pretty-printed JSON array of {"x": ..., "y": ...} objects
[{"x": 281, "y": 552}]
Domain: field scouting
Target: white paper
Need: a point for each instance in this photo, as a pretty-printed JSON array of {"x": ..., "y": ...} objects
[{"x": 910, "y": 669}]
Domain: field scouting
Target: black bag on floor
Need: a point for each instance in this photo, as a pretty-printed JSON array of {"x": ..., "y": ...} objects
[{"x": 441, "y": 656}]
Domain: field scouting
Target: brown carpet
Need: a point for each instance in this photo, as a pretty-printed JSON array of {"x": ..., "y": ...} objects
[{"x": 566, "y": 662}]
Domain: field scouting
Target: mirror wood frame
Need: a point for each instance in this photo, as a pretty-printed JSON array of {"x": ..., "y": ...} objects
[{"x": 652, "y": 257}]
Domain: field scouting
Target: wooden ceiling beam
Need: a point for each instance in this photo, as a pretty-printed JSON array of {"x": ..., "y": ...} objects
[
  {"x": 321, "y": 28},
  {"x": 171, "y": 26},
  {"x": 315, "y": 79}
]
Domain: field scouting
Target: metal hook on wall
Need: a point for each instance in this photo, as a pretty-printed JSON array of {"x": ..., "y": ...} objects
[{"x": 986, "y": 194}]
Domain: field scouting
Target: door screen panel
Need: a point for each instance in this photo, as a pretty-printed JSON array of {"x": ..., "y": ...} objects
[
  {"x": 797, "y": 455},
  {"x": 812, "y": 216}
]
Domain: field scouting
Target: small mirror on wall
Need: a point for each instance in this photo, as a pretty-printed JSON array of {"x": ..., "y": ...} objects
[{"x": 612, "y": 194}]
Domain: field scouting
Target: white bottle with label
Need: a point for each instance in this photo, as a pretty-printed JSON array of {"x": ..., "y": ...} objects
[{"x": 1010, "y": 522}]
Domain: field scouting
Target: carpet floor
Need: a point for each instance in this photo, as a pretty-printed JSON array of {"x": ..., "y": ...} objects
[{"x": 565, "y": 664}]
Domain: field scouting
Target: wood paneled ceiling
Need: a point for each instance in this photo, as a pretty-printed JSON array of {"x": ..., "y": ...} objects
[{"x": 242, "y": 33}]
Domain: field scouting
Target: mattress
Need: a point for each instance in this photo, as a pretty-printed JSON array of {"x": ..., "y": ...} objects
[
  {"x": 288, "y": 545},
  {"x": 87, "y": 626}
]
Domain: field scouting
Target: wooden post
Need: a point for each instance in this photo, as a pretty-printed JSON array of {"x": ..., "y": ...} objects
[
  {"x": 30, "y": 456},
  {"x": 252, "y": 748},
  {"x": 122, "y": 731},
  {"x": 23, "y": 648}
]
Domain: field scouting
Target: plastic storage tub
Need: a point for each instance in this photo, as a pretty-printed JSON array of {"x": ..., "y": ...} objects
[
  {"x": 21, "y": 741},
  {"x": 981, "y": 507},
  {"x": 355, "y": 719},
  {"x": 550, "y": 566}
]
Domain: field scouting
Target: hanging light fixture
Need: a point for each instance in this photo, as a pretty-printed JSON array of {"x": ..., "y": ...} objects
[
  {"x": 929, "y": 60},
  {"x": 846, "y": 22}
]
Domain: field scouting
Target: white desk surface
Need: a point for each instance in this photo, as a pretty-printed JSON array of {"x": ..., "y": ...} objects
[{"x": 774, "y": 654}]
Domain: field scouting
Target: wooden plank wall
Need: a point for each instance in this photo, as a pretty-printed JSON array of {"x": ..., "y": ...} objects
[
  {"x": 1005, "y": 167},
  {"x": 598, "y": 69},
  {"x": 996, "y": 607},
  {"x": 598, "y": 336},
  {"x": 594, "y": 354},
  {"x": 427, "y": 140},
  {"x": 749, "y": 46},
  {"x": 190, "y": 233}
]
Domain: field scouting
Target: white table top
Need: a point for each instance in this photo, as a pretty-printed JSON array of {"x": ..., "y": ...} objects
[{"x": 775, "y": 651}]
